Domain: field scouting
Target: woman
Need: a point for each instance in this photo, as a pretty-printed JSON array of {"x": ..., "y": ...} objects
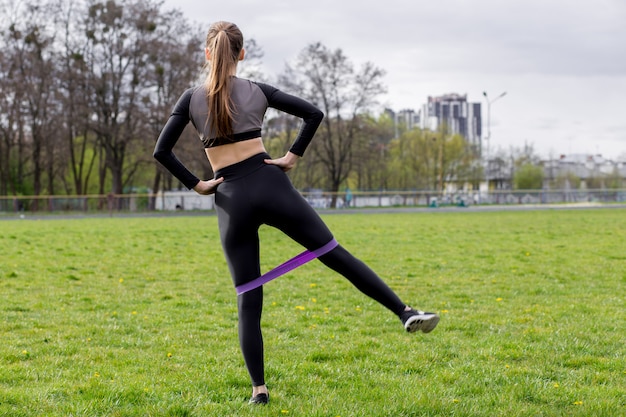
[{"x": 252, "y": 189}]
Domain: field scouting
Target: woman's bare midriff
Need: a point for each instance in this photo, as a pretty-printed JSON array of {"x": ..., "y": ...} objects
[{"x": 225, "y": 155}]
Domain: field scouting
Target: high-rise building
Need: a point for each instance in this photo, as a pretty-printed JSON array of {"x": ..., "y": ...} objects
[
  {"x": 408, "y": 119},
  {"x": 403, "y": 120},
  {"x": 457, "y": 114}
]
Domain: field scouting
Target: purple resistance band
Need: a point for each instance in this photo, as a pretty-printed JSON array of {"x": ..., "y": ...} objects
[{"x": 291, "y": 264}]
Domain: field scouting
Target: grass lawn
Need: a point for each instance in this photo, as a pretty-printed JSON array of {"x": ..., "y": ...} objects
[{"x": 137, "y": 317}]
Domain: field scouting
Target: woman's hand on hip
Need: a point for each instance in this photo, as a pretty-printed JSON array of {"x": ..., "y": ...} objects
[
  {"x": 208, "y": 187},
  {"x": 286, "y": 162}
]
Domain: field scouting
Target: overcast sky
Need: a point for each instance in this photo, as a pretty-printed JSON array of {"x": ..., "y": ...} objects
[{"x": 562, "y": 63}]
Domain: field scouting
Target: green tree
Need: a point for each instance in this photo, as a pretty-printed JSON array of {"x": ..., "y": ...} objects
[
  {"x": 519, "y": 171},
  {"x": 614, "y": 180},
  {"x": 371, "y": 167},
  {"x": 528, "y": 177},
  {"x": 414, "y": 160},
  {"x": 566, "y": 180},
  {"x": 423, "y": 159}
]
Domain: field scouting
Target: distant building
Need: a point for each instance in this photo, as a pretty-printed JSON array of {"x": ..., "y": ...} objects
[
  {"x": 408, "y": 118},
  {"x": 460, "y": 116},
  {"x": 577, "y": 171},
  {"x": 452, "y": 110},
  {"x": 404, "y": 120},
  {"x": 591, "y": 170}
]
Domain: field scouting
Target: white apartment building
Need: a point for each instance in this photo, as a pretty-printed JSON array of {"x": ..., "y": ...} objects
[{"x": 457, "y": 114}]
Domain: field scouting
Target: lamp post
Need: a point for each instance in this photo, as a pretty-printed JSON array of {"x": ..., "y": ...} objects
[
  {"x": 489, "y": 115},
  {"x": 488, "y": 138}
]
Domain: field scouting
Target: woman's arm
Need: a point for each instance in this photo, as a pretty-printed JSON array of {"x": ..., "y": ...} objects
[
  {"x": 311, "y": 116},
  {"x": 178, "y": 120}
]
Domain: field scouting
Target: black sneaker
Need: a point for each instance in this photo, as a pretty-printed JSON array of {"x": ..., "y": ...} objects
[
  {"x": 260, "y": 399},
  {"x": 414, "y": 320}
]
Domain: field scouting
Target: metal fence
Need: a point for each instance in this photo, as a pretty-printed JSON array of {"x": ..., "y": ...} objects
[{"x": 190, "y": 201}]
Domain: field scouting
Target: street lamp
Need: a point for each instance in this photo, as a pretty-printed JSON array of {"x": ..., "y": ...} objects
[{"x": 489, "y": 115}]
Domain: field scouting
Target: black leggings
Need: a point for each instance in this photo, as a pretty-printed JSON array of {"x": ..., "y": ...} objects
[{"x": 255, "y": 193}]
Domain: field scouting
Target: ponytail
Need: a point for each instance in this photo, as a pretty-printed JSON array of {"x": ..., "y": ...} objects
[{"x": 224, "y": 42}]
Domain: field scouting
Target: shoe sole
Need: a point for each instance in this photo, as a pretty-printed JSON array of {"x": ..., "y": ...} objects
[{"x": 424, "y": 322}]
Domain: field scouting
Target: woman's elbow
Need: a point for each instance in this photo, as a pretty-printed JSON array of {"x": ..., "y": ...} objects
[
  {"x": 159, "y": 154},
  {"x": 317, "y": 116}
]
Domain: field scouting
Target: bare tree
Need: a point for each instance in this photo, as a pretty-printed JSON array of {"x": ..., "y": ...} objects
[
  {"x": 11, "y": 123},
  {"x": 80, "y": 146},
  {"x": 250, "y": 67},
  {"x": 328, "y": 79},
  {"x": 86, "y": 87},
  {"x": 32, "y": 36},
  {"x": 173, "y": 67},
  {"x": 122, "y": 36}
]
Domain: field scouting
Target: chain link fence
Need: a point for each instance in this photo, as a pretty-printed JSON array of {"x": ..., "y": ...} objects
[{"x": 173, "y": 201}]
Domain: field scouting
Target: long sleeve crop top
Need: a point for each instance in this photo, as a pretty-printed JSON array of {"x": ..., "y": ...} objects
[{"x": 250, "y": 102}]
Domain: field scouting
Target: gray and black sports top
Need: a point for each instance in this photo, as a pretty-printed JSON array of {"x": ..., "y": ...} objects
[{"x": 250, "y": 101}]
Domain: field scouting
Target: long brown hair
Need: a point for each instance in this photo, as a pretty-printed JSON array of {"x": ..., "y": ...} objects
[{"x": 224, "y": 42}]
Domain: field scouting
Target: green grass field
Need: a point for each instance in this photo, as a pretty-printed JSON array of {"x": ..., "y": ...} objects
[{"x": 137, "y": 317}]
